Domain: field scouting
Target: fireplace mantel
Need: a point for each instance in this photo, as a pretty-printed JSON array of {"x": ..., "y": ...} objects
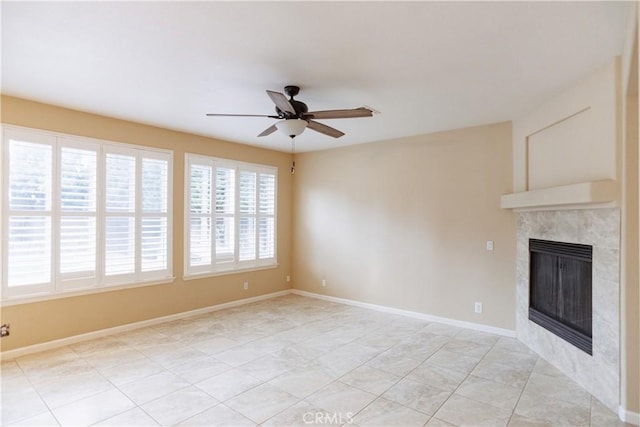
[{"x": 585, "y": 194}]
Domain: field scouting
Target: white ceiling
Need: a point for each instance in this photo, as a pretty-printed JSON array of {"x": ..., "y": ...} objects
[{"x": 426, "y": 66}]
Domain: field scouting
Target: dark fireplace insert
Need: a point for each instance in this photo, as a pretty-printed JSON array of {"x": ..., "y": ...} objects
[{"x": 560, "y": 290}]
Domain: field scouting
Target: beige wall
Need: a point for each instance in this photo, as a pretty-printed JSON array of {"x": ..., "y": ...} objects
[
  {"x": 630, "y": 273},
  {"x": 404, "y": 224},
  {"x": 44, "y": 321},
  {"x": 630, "y": 268},
  {"x": 630, "y": 242},
  {"x": 549, "y": 141}
]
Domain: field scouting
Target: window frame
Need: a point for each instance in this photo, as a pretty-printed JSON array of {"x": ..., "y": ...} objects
[
  {"x": 213, "y": 268},
  {"x": 65, "y": 284}
]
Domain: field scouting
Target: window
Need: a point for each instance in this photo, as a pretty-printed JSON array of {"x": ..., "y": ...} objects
[
  {"x": 229, "y": 215},
  {"x": 82, "y": 214}
]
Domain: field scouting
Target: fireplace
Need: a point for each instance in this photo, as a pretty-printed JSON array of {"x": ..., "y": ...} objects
[
  {"x": 560, "y": 290},
  {"x": 599, "y": 372}
]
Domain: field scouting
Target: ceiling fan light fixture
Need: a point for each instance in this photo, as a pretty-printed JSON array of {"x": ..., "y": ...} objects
[
  {"x": 291, "y": 127},
  {"x": 295, "y": 117}
]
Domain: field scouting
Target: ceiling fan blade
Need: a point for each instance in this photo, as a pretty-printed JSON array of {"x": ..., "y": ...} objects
[
  {"x": 239, "y": 115},
  {"x": 268, "y": 131},
  {"x": 281, "y": 102},
  {"x": 340, "y": 114},
  {"x": 324, "y": 129}
]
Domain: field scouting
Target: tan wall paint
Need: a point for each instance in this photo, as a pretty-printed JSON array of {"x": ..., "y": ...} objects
[
  {"x": 630, "y": 273},
  {"x": 547, "y": 140},
  {"x": 630, "y": 269},
  {"x": 404, "y": 224},
  {"x": 49, "y": 320},
  {"x": 630, "y": 241}
]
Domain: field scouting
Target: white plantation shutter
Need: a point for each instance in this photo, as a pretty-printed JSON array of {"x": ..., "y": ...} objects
[
  {"x": 267, "y": 210},
  {"x": 154, "y": 236},
  {"x": 230, "y": 215},
  {"x": 154, "y": 244},
  {"x": 224, "y": 215},
  {"x": 78, "y": 246},
  {"x": 247, "y": 228},
  {"x": 82, "y": 213},
  {"x": 120, "y": 210},
  {"x": 211, "y": 216},
  {"x": 29, "y": 250},
  {"x": 28, "y": 246},
  {"x": 200, "y": 221},
  {"x": 136, "y": 215},
  {"x": 77, "y": 219}
]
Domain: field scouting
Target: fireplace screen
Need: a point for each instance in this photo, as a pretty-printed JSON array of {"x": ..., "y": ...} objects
[{"x": 560, "y": 290}]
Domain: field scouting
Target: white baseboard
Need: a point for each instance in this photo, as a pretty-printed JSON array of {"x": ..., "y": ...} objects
[
  {"x": 414, "y": 314},
  {"x": 49, "y": 345},
  {"x": 628, "y": 416}
]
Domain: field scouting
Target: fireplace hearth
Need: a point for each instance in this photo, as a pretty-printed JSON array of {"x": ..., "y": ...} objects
[{"x": 560, "y": 298}]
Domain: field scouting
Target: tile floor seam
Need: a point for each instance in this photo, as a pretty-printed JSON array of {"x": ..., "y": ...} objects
[
  {"x": 231, "y": 409},
  {"x": 424, "y": 361},
  {"x": 462, "y": 382},
  {"x": 407, "y": 374},
  {"x": 513, "y": 412},
  {"x": 148, "y": 415},
  {"x": 560, "y": 398},
  {"x": 451, "y": 394},
  {"x": 78, "y": 399},
  {"x": 177, "y": 423},
  {"x": 361, "y": 389},
  {"x": 49, "y": 407},
  {"x": 162, "y": 396},
  {"x": 237, "y": 394},
  {"x": 285, "y": 409},
  {"x": 114, "y": 415},
  {"x": 109, "y": 380}
]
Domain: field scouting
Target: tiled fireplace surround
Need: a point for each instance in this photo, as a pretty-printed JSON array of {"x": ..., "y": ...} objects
[{"x": 599, "y": 373}]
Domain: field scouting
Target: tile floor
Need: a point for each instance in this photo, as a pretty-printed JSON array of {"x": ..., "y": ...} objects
[{"x": 294, "y": 361}]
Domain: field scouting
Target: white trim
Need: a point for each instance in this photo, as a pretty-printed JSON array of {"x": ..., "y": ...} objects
[
  {"x": 414, "y": 314},
  {"x": 81, "y": 138},
  {"x": 49, "y": 345},
  {"x": 84, "y": 291},
  {"x": 229, "y": 271},
  {"x": 628, "y": 416}
]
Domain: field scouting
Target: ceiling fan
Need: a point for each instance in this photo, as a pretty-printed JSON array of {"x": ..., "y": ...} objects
[{"x": 294, "y": 115}]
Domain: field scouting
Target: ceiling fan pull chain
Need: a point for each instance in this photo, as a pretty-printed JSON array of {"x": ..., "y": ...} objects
[{"x": 293, "y": 153}]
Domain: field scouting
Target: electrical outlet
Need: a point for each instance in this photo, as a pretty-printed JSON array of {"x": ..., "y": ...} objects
[
  {"x": 478, "y": 307},
  {"x": 489, "y": 245},
  {"x": 324, "y": 282},
  {"x": 246, "y": 286},
  {"x": 4, "y": 330},
  {"x": 288, "y": 278}
]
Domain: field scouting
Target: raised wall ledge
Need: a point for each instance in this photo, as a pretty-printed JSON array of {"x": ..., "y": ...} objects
[{"x": 571, "y": 196}]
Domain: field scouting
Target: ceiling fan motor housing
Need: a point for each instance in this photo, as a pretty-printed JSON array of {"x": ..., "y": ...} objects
[{"x": 300, "y": 107}]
